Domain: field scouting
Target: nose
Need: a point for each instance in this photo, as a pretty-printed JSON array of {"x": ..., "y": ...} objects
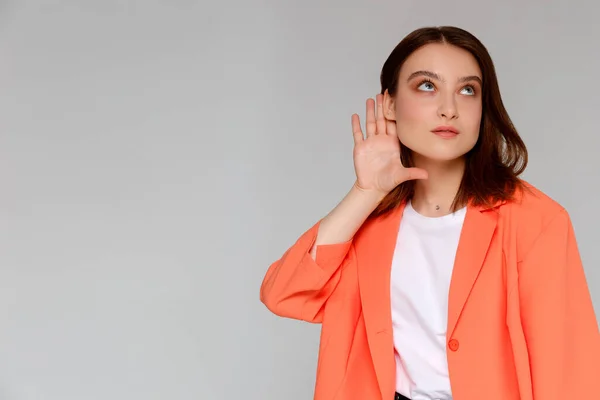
[{"x": 447, "y": 108}]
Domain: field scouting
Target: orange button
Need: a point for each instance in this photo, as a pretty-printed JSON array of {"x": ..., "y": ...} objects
[{"x": 453, "y": 344}]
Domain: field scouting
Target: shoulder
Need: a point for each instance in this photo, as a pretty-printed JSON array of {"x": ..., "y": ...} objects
[
  {"x": 533, "y": 205},
  {"x": 531, "y": 213}
]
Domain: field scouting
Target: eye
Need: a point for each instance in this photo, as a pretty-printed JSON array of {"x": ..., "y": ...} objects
[
  {"x": 470, "y": 91},
  {"x": 426, "y": 86}
]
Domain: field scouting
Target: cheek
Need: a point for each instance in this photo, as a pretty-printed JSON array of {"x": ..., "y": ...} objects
[
  {"x": 411, "y": 111},
  {"x": 471, "y": 116}
]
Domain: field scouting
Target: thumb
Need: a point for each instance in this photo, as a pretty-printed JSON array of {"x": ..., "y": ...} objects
[{"x": 415, "y": 173}]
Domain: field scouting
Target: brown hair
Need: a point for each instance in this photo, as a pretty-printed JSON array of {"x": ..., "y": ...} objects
[{"x": 499, "y": 156}]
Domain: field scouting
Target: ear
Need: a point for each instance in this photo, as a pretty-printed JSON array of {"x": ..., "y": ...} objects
[{"x": 389, "y": 106}]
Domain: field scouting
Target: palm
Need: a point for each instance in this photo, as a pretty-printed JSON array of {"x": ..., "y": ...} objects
[
  {"x": 377, "y": 162},
  {"x": 377, "y": 157}
]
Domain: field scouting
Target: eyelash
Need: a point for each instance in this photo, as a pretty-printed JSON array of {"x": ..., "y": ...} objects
[{"x": 429, "y": 81}]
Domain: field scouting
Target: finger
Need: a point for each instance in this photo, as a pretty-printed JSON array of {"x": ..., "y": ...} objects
[
  {"x": 370, "y": 124},
  {"x": 415, "y": 173},
  {"x": 356, "y": 131},
  {"x": 381, "y": 125}
]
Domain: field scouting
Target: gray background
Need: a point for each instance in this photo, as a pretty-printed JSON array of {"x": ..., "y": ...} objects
[{"x": 157, "y": 156}]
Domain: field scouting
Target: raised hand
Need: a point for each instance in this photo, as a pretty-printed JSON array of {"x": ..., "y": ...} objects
[{"x": 377, "y": 156}]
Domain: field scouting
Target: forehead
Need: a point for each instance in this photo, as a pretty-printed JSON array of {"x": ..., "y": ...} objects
[{"x": 446, "y": 60}]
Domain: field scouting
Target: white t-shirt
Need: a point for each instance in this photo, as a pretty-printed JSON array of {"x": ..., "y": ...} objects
[{"x": 421, "y": 271}]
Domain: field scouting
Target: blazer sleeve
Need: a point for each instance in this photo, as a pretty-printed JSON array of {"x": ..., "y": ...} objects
[
  {"x": 297, "y": 286},
  {"x": 558, "y": 319}
]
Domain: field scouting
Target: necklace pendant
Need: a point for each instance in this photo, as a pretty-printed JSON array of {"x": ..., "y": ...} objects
[{"x": 437, "y": 208}]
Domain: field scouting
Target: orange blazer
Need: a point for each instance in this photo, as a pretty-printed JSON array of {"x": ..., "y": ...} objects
[{"x": 521, "y": 324}]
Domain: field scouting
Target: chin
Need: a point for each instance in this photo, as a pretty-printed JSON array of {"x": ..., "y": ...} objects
[
  {"x": 437, "y": 155},
  {"x": 439, "y": 150},
  {"x": 441, "y": 158}
]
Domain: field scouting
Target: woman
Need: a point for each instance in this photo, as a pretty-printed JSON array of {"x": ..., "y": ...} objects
[{"x": 442, "y": 274}]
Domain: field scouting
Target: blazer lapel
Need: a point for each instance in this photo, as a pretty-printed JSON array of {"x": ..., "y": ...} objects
[
  {"x": 375, "y": 245},
  {"x": 374, "y": 251},
  {"x": 476, "y": 235}
]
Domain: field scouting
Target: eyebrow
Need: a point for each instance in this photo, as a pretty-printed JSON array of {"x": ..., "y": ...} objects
[{"x": 435, "y": 76}]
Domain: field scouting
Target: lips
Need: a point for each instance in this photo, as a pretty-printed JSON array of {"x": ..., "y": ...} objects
[{"x": 445, "y": 131}]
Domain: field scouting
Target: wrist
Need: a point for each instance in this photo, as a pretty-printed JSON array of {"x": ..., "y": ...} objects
[{"x": 370, "y": 195}]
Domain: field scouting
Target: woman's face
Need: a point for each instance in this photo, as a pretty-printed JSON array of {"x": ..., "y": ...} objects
[{"x": 439, "y": 87}]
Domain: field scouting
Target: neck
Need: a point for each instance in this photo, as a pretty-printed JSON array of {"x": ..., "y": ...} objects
[{"x": 434, "y": 196}]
